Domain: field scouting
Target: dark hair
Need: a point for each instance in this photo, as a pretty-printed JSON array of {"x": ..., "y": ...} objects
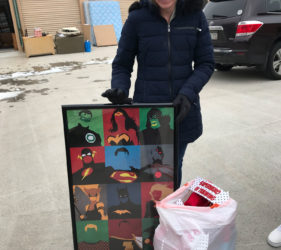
[
  {"x": 129, "y": 122},
  {"x": 121, "y": 150},
  {"x": 151, "y": 113},
  {"x": 163, "y": 120},
  {"x": 85, "y": 151},
  {"x": 85, "y": 111}
]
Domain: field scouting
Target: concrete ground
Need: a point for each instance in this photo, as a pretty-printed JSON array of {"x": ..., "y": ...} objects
[{"x": 239, "y": 151}]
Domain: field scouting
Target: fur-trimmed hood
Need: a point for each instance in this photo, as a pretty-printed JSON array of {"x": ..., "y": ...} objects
[{"x": 183, "y": 6}]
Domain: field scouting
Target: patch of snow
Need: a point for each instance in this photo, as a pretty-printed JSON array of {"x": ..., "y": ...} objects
[
  {"x": 51, "y": 70},
  {"x": 8, "y": 95},
  {"x": 109, "y": 61}
]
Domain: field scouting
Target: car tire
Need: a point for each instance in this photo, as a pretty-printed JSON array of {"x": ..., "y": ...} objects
[
  {"x": 273, "y": 68},
  {"x": 223, "y": 67}
]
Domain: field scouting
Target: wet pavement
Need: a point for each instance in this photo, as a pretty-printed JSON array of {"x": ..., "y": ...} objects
[{"x": 239, "y": 150}]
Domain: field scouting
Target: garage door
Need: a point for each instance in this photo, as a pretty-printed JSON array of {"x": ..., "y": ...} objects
[
  {"x": 49, "y": 15},
  {"x": 124, "y": 6}
]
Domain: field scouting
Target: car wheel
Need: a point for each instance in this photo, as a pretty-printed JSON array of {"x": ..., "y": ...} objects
[
  {"x": 223, "y": 67},
  {"x": 273, "y": 69}
]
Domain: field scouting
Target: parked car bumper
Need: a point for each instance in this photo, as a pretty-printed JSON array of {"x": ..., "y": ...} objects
[
  {"x": 238, "y": 56},
  {"x": 230, "y": 56}
]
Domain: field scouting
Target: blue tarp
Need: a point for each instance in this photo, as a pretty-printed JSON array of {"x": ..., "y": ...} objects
[{"x": 103, "y": 13}]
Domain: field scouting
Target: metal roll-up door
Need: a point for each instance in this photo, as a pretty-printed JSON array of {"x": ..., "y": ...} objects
[
  {"x": 49, "y": 15},
  {"x": 124, "y": 7}
]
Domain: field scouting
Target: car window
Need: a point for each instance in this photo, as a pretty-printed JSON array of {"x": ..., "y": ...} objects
[
  {"x": 216, "y": 9},
  {"x": 273, "y": 5}
]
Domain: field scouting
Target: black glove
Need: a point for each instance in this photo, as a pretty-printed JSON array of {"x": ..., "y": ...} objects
[
  {"x": 117, "y": 96},
  {"x": 183, "y": 106}
]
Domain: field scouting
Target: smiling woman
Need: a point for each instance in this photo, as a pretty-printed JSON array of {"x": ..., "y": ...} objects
[
  {"x": 172, "y": 43},
  {"x": 167, "y": 8}
]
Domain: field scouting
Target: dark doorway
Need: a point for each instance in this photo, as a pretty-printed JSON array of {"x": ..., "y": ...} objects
[{"x": 7, "y": 35}]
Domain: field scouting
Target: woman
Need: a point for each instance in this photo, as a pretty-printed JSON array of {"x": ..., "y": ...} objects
[{"x": 171, "y": 41}]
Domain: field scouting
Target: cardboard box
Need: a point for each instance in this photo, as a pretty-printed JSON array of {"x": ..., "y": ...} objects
[
  {"x": 105, "y": 35},
  {"x": 43, "y": 45},
  {"x": 69, "y": 44}
]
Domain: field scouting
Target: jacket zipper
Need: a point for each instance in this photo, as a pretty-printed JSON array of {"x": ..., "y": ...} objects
[
  {"x": 170, "y": 62},
  {"x": 188, "y": 28}
]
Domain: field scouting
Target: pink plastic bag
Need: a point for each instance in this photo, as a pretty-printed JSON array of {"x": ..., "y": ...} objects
[{"x": 196, "y": 228}]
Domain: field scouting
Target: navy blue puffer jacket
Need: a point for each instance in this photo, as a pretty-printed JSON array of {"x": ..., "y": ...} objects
[{"x": 172, "y": 58}]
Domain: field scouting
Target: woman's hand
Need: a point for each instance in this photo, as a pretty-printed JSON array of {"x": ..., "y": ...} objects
[
  {"x": 117, "y": 96},
  {"x": 183, "y": 106}
]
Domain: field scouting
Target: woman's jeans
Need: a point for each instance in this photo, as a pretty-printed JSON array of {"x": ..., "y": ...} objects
[{"x": 181, "y": 150}]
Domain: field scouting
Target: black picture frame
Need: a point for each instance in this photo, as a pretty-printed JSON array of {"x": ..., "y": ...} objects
[{"x": 68, "y": 147}]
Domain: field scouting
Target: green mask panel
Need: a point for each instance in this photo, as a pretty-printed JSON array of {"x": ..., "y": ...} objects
[
  {"x": 85, "y": 117},
  {"x": 154, "y": 123}
]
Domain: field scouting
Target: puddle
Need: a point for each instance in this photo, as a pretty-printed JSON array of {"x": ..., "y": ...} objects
[
  {"x": 16, "y": 82},
  {"x": 38, "y": 91},
  {"x": 82, "y": 77},
  {"x": 71, "y": 65},
  {"x": 4, "y": 90},
  {"x": 101, "y": 59},
  {"x": 40, "y": 68},
  {"x": 41, "y": 91},
  {"x": 99, "y": 81},
  {"x": 65, "y": 64}
]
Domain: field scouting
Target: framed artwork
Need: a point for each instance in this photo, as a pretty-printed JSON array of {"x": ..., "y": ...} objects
[{"x": 121, "y": 160}]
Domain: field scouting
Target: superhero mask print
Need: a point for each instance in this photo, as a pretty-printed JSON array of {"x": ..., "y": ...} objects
[
  {"x": 157, "y": 157},
  {"x": 88, "y": 160},
  {"x": 96, "y": 208},
  {"x": 156, "y": 170},
  {"x": 124, "y": 173},
  {"x": 82, "y": 135},
  {"x": 157, "y": 130},
  {"x": 87, "y": 157},
  {"x": 85, "y": 115},
  {"x": 81, "y": 201},
  {"x": 154, "y": 122},
  {"x": 126, "y": 208},
  {"x": 157, "y": 193},
  {"x": 92, "y": 234},
  {"x": 124, "y": 130},
  {"x": 125, "y": 234},
  {"x": 88, "y": 204},
  {"x": 91, "y": 172}
]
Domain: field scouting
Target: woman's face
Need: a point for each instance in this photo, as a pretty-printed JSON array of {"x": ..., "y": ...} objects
[{"x": 166, "y": 4}]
